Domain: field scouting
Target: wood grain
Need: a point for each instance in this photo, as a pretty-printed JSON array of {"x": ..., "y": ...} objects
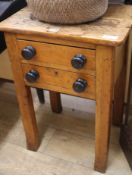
[
  {"x": 119, "y": 93},
  {"x": 55, "y": 102},
  {"x": 104, "y": 95},
  {"x": 24, "y": 95},
  {"x": 58, "y": 56},
  {"x": 59, "y": 41},
  {"x": 120, "y": 11},
  {"x": 105, "y": 31},
  {"x": 121, "y": 55},
  {"x": 60, "y": 81}
]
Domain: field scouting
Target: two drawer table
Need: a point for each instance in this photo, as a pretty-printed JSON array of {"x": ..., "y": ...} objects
[{"x": 87, "y": 61}]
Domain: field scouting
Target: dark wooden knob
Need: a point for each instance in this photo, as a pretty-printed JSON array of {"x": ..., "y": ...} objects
[
  {"x": 78, "y": 61},
  {"x": 28, "y": 52},
  {"x": 80, "y": 85},
  {"x": 32, "y": 76}
]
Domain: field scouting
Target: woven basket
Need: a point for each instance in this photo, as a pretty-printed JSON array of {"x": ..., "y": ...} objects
[{"x": 67, "y": 11}]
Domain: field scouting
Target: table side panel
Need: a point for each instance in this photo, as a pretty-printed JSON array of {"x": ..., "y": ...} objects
[{"x": 119, "y": 61}]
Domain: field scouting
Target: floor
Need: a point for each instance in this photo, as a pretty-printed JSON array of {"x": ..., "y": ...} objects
[{"x": 67, "y": 139}]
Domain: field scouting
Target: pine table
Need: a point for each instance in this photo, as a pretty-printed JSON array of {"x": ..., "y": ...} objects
[{"x": 87, "y": 60}]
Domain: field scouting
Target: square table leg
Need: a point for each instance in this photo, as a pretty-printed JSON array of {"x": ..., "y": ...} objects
[
  {"x": 55, "y": 102},
  {"x": 104, "y": 92},
  {"x": 24, "y": 95}
]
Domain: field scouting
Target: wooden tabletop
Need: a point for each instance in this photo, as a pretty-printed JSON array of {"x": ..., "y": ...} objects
[{"x": 111, "y": 29}]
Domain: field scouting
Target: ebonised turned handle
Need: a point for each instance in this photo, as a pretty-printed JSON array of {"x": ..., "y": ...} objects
[
  {"x": 78, "y": 61},
  {"x": 28, "y": 52},
  {"x": 80, "y": 85},
  {"x": 32, "y": 76}
]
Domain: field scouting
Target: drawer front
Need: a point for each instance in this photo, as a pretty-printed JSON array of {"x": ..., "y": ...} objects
[
  {"x": 60, "y": 81},
  {"x": 58, "y": 56}
]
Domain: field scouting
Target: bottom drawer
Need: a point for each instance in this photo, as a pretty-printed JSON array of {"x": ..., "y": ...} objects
[{"x": 77, "y": 84}]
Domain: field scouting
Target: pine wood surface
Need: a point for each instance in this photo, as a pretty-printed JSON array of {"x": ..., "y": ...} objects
[
  {"x": 23, "y": 95},
  {"x": 111, "y": 29},
  {"x": 58, "y": 56},
  {"x": 60, "y": 81},
  {"x": 104, "y": 94}
]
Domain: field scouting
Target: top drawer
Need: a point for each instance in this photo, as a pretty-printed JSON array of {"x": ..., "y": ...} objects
[{"x": 69, "y": 58}]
